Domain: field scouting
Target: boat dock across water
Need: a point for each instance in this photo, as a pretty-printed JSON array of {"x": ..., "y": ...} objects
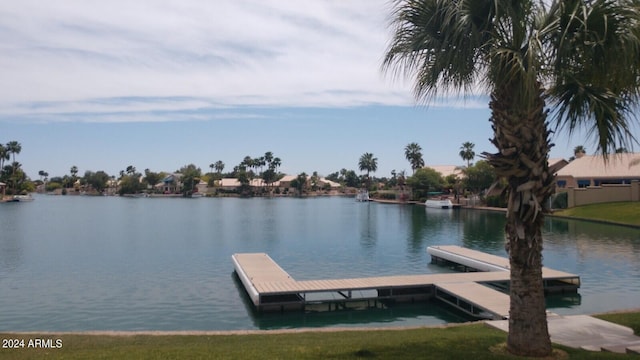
[{"x": 475, "y": 290}]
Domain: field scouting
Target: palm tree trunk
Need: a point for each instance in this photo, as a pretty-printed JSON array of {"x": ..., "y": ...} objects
[{"x": 522, "y": 138}]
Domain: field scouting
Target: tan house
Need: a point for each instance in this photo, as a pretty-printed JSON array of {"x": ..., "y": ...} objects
[
  {"x": 591, "y": 170},
  {"x": 228, "y": 183},
  {"x": 332, "y": 184},
  {"x": 285, "y": 182},
  {"x": 589, "y": 180}
]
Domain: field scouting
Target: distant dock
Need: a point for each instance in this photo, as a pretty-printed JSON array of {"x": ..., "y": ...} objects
[{"x": 472, "y": 291}]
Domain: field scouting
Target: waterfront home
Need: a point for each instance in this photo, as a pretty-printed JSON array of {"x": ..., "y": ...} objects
[
  {"x": 588, "y": 179},
  {"x": 170, "y": 184},
  {"x": 591, "y": 170}
]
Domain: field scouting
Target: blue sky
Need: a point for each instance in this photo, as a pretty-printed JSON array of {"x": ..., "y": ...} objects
[{"x": 160, "y": 84}]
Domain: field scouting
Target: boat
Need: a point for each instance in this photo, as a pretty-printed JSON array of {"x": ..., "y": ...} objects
[
  {"x": 21, "y": 198},
  {"x": 362, "y": 195},
  {"x": 439, "y": 203}
]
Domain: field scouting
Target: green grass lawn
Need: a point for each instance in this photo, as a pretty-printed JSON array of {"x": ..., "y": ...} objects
[
  {"x": 618, "y": 212},
  {"x": 476, "y": 341}
]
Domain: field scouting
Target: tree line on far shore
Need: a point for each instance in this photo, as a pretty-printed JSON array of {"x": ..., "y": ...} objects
[{"x": 419, "y": 184}]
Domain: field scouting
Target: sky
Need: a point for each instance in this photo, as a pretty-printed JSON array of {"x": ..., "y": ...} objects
[{"x": 159, "y": 84}]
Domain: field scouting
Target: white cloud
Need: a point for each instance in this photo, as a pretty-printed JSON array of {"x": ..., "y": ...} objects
[{"x": 70, "y": 54}]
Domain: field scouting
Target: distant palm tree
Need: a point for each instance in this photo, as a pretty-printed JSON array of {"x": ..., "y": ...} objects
[
  {"x": 413, "y": 154},
  {"x": 211, "y": 166},
  {"x": 577, "y": 60},
  {"x": 466, "y": 152},
  {"x": 74, "y": 172},
  {"x": 219, "y": 166},
  {"x": 368, "y": 163},
  {"x": 275, "y": 163},
  {"x": 268, "y": 157},
  {"x": 4, "y": 155},
  {"x": 13, "y": 148},
  {"x": 131, "y": 170},
  {"x": 579, "y": 151}
]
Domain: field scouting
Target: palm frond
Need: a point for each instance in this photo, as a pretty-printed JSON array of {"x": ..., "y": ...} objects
[
  {"x": 439, "y": 43},
  {"x": 596, "y": 63}
]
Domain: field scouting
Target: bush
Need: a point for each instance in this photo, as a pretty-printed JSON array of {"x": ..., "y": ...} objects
[
  {"x": 387, "y": 195},
  {"x": 53, "y": 186},
  {"x": 496, "y": 201}
]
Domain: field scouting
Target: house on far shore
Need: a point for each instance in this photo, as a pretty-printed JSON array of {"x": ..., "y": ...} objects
[
  {"x": 285, "y": 182},
  {"x": 591, "y": 170},
  {"x": 332, "y": 184},
  {"x": 201, "y": 187},
  {"x": 228, "y": 183},
  {"x": 170, "y": 184},
  {"x": 446, "y": 170}
]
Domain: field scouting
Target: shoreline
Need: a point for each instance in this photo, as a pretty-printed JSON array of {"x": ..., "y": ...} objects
[{"x": 126, "y": 333}]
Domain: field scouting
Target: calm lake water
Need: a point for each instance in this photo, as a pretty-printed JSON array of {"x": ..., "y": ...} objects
[{"x": 108, "y": 263}]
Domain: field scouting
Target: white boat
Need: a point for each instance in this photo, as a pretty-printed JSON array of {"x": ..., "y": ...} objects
[
  {"x": 22, "y": 198},
  {"x": 439, "y": 203},
  {"x": 362, "y": 195}
]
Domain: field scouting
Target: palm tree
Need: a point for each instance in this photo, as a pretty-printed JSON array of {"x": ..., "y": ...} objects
[
  {"x": 275, "y": 163},
  {"x": 413, "y": 154},
  {"x": 368, "y": 163},
  {"x": 219, "y": 166},
  {"x": 13, "y": 148},
  {"x": 131, "y": 170},
  {"x": 4, "y": 155},
  {"x": 268, "y": 157},
  {"x": 576, "y": 60},
  {"x": 466, "y": 152},
  {"x": 579, "y": 151}
]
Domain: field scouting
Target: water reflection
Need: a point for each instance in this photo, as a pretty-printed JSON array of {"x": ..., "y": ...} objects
[
  {"x": 368, "y": 222},
  {"x": 11, "y": 247},
  {"x": 566, "y": 301},
  {"x": 484, "y": 230}
]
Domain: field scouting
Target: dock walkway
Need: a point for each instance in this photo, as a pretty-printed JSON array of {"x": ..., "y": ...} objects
[{"x": 273, "y": 289}]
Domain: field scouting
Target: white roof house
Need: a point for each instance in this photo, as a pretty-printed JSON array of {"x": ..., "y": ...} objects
[
  {"x": 591, "y": 170},
  {"x": 332, "y": 184}
]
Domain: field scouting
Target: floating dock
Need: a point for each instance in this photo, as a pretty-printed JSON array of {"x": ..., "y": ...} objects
[{"x": 473, "y": 291}]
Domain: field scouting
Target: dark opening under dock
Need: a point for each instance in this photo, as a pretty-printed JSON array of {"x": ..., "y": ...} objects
[{"x": 273, "y": 289}]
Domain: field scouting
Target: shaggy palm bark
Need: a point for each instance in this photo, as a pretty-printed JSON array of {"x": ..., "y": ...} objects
[{"x": 522, "y": 138}]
